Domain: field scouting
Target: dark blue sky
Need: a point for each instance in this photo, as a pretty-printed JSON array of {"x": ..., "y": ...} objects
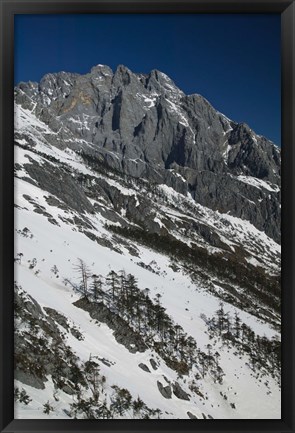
[{"x": 232, "y": 60}]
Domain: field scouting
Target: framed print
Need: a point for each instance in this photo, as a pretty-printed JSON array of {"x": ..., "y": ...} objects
[{"x": 147, "y": 216}]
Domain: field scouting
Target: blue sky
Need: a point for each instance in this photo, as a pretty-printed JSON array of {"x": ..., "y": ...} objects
[{"x": 232, "y": 60}]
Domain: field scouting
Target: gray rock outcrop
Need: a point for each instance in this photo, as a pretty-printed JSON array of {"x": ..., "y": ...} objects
[
  {"x": 179, "y": 392},
  {"x": 191, "y": 415},
  {"x": 122, "y": 332},
  {"x": 164, "y": 390},
  {"x": 144, "y": 367}
]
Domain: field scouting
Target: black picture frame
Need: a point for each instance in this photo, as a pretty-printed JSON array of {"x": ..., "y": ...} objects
[{"x": 8, "y": 8}]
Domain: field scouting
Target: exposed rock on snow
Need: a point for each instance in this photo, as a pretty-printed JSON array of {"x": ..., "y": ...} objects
[
  {"x": 123, "y": 334},
  {"x": 164, "y": 390},
  {"x": 144, "y": 367}
]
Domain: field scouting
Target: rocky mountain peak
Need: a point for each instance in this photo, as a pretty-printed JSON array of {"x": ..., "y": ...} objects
[
  {"x": 144, "y": 125},
  {"x": 99, "y": 70}
]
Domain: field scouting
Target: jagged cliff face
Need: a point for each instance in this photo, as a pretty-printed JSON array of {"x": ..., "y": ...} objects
[{"x": 145, "y": 127}]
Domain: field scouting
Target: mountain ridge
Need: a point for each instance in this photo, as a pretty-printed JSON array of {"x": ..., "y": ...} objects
[{"x": 143, "y": 125}]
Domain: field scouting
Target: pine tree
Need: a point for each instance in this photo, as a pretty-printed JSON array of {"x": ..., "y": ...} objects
[
  {"x": 131, "y": 285},
  {"x": 54, "y": 270},
  {"x": 237, "y": 325},
  {"x": 132, "y": 296},
  {"x": 113, "y": 283},
  {"x": 220, "y": 316},
  {"x": 122, "y": 278},
  {"x": 178, "y": 330},
  {"x": 93, "y": 378},
  {"x": 137, "y": 406},
  {"x": 47, "y": 408},
  {"x": 203, "y": 364},
  {"x": 103, "y": 411},
  {"x": 96, "y": 288},
  {"x": 121, "y": 400},
  {"x": 244, "y": 329}
]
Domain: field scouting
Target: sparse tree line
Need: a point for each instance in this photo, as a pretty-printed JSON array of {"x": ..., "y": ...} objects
[
  {"x": 90, "y": 401},
  {"x": 198, "y": 260},
  {"x": 43, "y": 351},
  {"x": 119, "y": 292},
  {"x": 98, "y": 405},
  {"x": 264, "y": 354}
]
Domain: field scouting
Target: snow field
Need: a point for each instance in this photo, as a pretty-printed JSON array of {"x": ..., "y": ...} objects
[{"x": 178, "y": 293}]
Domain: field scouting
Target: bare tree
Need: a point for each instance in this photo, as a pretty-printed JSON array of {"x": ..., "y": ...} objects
[{"x": 85, "y": 274}]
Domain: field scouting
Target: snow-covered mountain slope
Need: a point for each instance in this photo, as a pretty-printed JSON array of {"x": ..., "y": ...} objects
[
  {"x": 133, "y": 298},
  {"x": 50, "y": 248}
]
